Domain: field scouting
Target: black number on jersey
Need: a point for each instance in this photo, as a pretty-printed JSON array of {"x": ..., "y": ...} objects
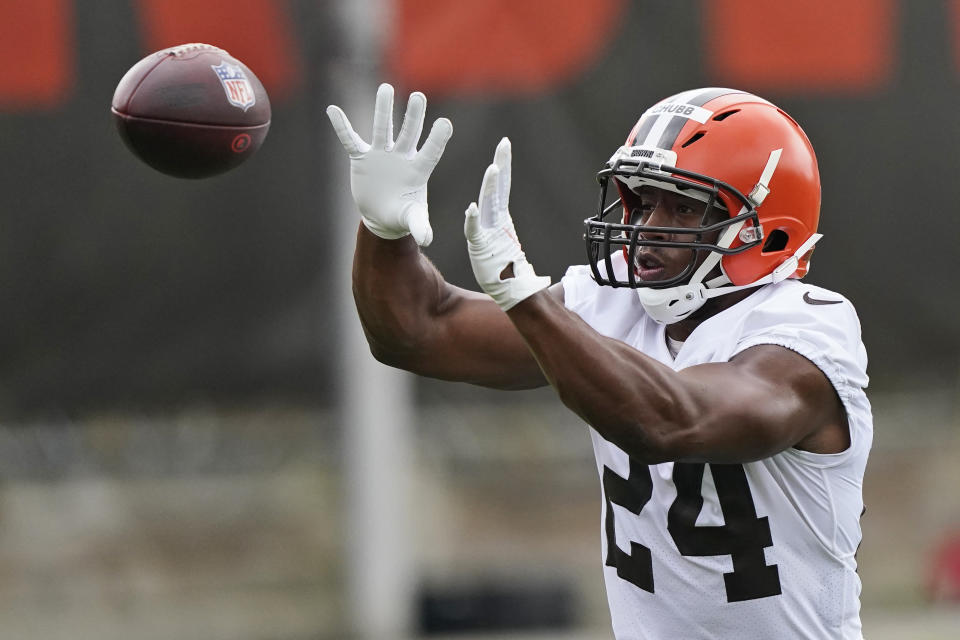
[
  {"x": 743, "y": 536},
  {"x": 632, "y": 494}
]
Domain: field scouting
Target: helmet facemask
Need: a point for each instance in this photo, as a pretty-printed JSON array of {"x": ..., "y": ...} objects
[
  {"x": 633, "y": 168},
  {"x": 722, "y": 147}
]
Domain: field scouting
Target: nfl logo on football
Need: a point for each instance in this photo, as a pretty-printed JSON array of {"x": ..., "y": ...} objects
[{"x": 238, "y": 89}]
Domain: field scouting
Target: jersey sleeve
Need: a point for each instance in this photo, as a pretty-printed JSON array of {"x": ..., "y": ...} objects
[
  {"x": 578, "y": 286},
  {"x": 581, "y": 291},
  {"x": 828, "y": 335}
]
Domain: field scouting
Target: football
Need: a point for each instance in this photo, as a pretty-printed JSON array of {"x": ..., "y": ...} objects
[{"x": 191, "y": 111}]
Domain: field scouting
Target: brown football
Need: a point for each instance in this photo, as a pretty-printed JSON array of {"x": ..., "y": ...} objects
[{"x": 191, "y": 111}]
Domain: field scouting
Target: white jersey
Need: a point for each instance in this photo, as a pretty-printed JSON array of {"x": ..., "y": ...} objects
[{"x": 761, "y": 550}]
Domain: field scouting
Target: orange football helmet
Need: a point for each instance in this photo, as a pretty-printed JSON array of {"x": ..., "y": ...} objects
[{"x": 733, "y": 151}]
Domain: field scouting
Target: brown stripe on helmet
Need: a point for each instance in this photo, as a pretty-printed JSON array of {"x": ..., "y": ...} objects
[{"x": 669, "y": 137}]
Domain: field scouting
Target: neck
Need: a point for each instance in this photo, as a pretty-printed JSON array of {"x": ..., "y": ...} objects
[{"x": 682, "y": 329}]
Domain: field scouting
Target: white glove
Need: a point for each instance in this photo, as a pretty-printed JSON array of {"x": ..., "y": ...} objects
[
  {"x": 492, "y": 241},
  {"x": 389, "y": 180}
]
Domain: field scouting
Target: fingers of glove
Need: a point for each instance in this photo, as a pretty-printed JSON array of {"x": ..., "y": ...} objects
[
  {"x": 471, "y": 223},
  {"x": 353, "y": 143},
  {"x": 433, "y": 146},
  {"x": 503, "y": 159},
  {"x": 412, "y": 125},
  {"x": 383, "y": 118},
  {"x": 418, "y": 222},
  {"x": 488, "y": 197}
]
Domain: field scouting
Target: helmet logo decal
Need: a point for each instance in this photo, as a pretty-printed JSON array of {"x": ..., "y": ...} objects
[
  {"x": 651, "y": 154},
  {"x": 660, "y": 124}
]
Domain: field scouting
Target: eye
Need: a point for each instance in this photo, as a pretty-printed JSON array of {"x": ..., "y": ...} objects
[
  {"x": 646, "y": 210},
  {"x": 641, "y": 213}
]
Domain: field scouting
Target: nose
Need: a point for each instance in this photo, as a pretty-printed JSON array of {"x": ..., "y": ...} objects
[{"x": 658, "y": 218}]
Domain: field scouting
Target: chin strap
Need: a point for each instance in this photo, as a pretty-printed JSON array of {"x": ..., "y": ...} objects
[
  {"x": 779, "y": 274},
  {"x": 757, "y": 195},
  {"x": 760, "y": 190},
  {"x": 667, "y": 306}
]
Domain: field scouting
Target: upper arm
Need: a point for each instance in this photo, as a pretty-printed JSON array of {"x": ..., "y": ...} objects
[
  {"x": 470, "y": 339},
  {"x": 763, "y": 401}
]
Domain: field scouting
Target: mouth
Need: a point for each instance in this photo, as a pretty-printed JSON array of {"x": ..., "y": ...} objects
[{"x": 648, "y": 267}]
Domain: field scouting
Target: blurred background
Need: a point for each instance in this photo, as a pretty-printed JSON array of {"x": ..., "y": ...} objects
[{"x": 194, "y": 442}]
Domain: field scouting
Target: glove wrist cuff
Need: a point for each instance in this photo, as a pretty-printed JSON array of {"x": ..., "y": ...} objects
[
  {"x": 524, "y": 284},
  {"x": 520, "y": 290},
  {"x": 383, "y": 232}
]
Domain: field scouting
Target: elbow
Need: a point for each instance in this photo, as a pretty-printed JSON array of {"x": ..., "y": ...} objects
[
  {"x": 382, "y": 355},
  {"x": 392, "y": 343},
  {"x": 408, "y": 355},
  {"x": 390, "y": 355}
]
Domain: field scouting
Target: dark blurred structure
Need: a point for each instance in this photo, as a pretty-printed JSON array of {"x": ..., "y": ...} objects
[
  {"x": 495, "y": 606},
  {"x": 123, "y": 288}
]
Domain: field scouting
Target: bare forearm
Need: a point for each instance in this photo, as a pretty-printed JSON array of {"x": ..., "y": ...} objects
[
  {"x": 396, "y": 291},
  {"x": 631, "y": 400}
]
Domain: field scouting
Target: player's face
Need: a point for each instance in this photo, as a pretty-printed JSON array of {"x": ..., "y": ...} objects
[{"x": 655, "y": 207}]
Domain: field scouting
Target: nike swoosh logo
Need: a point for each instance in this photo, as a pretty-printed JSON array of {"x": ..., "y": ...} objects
[{"x": 809, "y": 300}]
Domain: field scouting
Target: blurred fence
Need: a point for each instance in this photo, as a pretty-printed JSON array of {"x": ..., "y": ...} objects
[{"x": 213, "y": 525}]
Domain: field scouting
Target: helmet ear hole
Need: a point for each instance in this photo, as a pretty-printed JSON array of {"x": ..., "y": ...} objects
[{"x": 776, "y": 241}]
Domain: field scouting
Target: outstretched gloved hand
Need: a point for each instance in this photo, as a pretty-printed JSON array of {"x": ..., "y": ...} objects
[
  {"x": 492, "y": 241},
  {"x": 389, "y": 179}
]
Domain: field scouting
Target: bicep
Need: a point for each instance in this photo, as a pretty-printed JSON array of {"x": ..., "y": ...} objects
[
  {"x": 472, "y": 340},
  {"x": 765, "y": 400}
]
